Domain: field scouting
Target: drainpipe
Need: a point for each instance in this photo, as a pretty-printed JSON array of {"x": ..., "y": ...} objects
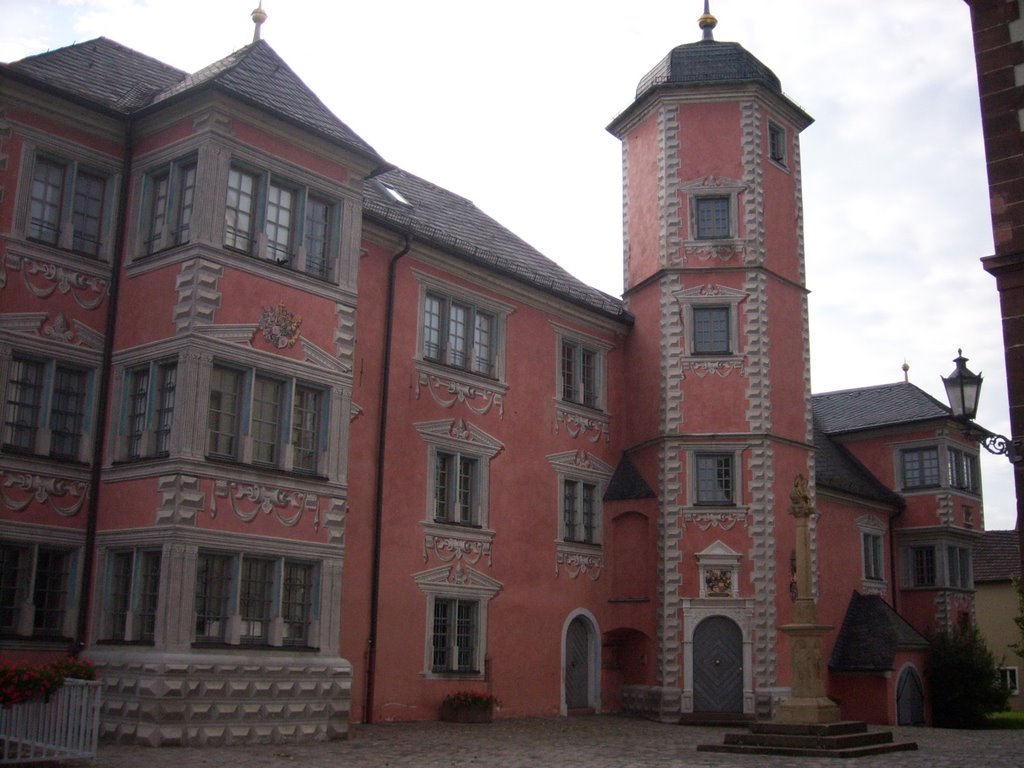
[
  {"x": 894, "y": 558},
  {"x": 103, "y": 396},
  {"x": 378, "y": 514}
]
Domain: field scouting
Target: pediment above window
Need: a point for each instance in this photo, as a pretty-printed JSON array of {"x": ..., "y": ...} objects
[
  {"x": 457, "y": 578},
  {"x": 459, "y": 432},
  {"x": 581, "y": 464}
]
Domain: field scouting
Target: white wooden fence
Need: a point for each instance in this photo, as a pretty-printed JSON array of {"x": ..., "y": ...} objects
[{"x": 65, "y": 726}]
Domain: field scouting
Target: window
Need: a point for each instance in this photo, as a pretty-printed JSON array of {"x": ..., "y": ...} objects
[
  {"x": 46, "y": 408},
  {"x": 871, "y": 543},
  {"x": 455, "y": 496},
  {"x": 13, "y": 562},
  {"x": 254, "y": 599},
  {"x": 318, "y": 236},
  {"x": 64, "y": 195},
  {"x": 150, "y": 395},
  {"x": 454, "y": 635},
  {"x": 273, "y": 603},
  {"x": 715, "y": 481},
  {"x": 920, "y": 467},
  {"x": 300, "y": 227},
  {"x": 171, "y": 194},
  {"x": 711, "y": 334},
  {"x": 777, "y": 143},
  {"x": 959, "y": 561},
  {"x": 923, "y": 566},
  {"x": 134, "y": 585},
  {"x": 458, "y": 334},
  {"x": 297, "y": 603},
  {"x": 282, "y": 417},
  {"x": 963, "y": 470},
  {"x": 581, "y": 373},
  {"x": 580, "y": 511},
  {"x": 713, "y": 217},
  {"x": 213, "y": 587},
  {"x": 35, "y": 589},
  {"x": 1008, "y": 678}
]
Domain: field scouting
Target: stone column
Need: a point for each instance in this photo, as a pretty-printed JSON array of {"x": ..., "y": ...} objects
[{"x": 808, "y": 702}]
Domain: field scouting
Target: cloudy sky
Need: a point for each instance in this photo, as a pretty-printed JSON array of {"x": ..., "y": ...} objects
[{"x": 507, "y": 103}]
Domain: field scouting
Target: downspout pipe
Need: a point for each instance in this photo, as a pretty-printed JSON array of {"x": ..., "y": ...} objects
[
  {"x": 378, "y": 512},
  {"x": 103, "y": 394}
]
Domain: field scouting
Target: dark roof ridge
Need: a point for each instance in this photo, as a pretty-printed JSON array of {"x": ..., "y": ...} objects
[
  {"x": 869, "y": 388},
  {"x": 106, "y": 41}
]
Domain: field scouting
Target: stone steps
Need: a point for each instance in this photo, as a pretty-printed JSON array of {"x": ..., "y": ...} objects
[{"x": 842, "y": 739}]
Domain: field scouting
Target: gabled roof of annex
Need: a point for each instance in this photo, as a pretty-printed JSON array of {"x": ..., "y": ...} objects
[{"x": 883, "y": 405}]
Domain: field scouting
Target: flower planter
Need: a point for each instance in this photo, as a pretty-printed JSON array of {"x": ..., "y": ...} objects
[{"x": 461, "y": 714}]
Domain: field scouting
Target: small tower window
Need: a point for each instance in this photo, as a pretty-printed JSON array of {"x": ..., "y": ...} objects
[
  {"x": 777, "y": 143},
  {"x": 713, "y": 219}
]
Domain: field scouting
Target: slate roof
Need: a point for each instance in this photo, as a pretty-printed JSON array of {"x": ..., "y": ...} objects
[
  {"x": 996, "y": 556},
  {"x": 836, "y": 468},
  {"x": 871, "y": 634},
  {"x": 627, "y": 483},
  {"x": 709, "y": 62},
  {"x": 119, "y": 79},
  {"x": 852, "y": 410},
  {"x": 450, "y": 222},
  {"x": 100, "y": 71}
]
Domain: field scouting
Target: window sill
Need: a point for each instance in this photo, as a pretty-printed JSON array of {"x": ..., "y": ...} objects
[
  {"x": 248, "y": 647},
  {"x": 266, "y": 469}
]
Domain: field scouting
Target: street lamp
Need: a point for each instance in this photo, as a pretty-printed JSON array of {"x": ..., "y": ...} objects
[{"x": 963, "y": 387}]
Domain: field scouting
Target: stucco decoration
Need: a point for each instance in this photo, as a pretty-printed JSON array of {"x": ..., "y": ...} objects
[
  {"x": 447, "y": 391},
  {"x": 451, "y": 547},
  {"x": 43, "y": 279},
  {"x": 577, "y": 562},
  {"x": 181, "y": 500},
  {"x": 249, "y": 500},
  {"x": 52, "y": 328},
  {"x": 723, "y": 252},
  {"x": 280, "y": 327},
  {"x": 707, "y": 520},
  {"x": 470, "y": 581},
  {"x": 577, "y": 424},
  {"x": 75, "y": 333},
  {"x": 199, "y": 296},
  {"x": 65, "y": 497}
]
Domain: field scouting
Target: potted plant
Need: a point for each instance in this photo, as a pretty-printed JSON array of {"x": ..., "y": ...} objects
[{"x": 468, "y": 707}]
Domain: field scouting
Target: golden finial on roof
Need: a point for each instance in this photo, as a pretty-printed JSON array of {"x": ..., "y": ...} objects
[
  {"x": 906, "y": 371},
  {"x": 707, "y": 22},
  {"x": 258, "y": 17}
]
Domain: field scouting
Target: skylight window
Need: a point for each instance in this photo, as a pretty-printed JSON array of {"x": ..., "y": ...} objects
[{"x": 392, "y": 194}]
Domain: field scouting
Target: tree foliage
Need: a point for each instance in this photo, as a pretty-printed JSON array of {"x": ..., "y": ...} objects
[{"x": 963, "y": 679}]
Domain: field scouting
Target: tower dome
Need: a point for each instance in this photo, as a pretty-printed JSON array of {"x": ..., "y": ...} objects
[{"x": 708, "y": 62}]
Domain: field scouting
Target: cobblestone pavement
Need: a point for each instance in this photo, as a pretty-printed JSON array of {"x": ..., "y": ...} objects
[{"x": 599, "y": 741}]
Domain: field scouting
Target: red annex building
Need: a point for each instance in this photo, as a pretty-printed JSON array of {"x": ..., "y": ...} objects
[{"x": 291, "y": 436}]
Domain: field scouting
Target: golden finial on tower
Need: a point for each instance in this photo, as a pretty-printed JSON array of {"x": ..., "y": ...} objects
[
  {"x": 258, "y": 17},
  {"x": 707, "y": 23}
]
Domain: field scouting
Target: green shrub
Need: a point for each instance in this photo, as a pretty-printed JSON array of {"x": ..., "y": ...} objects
[{"x": 963, "y": 679}]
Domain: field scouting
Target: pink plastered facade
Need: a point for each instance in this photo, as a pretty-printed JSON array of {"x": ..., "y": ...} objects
[{"x": 345, "y": 445}]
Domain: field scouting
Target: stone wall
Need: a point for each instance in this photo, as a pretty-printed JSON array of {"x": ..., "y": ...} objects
[{"x": 222, "y": 698}]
